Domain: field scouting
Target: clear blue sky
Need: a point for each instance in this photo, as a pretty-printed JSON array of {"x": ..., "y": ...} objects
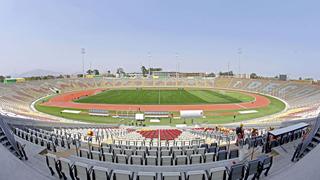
[{"x": 275, "y": 36}]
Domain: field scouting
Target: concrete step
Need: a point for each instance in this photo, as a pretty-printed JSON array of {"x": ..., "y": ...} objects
[
  {"x": 2, "y": 138},
  {"x": 308, "y": 149},
  {"x": 11, "y": 150},
  {"x": 5, "y": 143},
  {"x": 313, "y": 143},
  {"x": 316, "y": 139}
]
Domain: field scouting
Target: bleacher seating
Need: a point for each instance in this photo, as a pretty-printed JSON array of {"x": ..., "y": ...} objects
[
  {"x": 98, "y": 112},
  {"x": 96, "y": 160},
  {"x": 15, "y": 99},
  {"x": 72, "y": 169}
]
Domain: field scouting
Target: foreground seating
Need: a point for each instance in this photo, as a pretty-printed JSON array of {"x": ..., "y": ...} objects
[
  {"x": 145, "y": 176},
  {"x": 266, "y": 165},
  {"x": 252, "y": 168},
  {"x": 82, "y": 171},
  {"x": 68, "y": 170},
  {"x": 52, "y": 164},
  {"x": 120, "y": 174},
  {"x": 235, "y": 172},
  {"x": 99, "y": 173},
  {"x": 171, "y": 176},
  {"x": 162, "y": 156},
  {"x": 196, "y": 175}
]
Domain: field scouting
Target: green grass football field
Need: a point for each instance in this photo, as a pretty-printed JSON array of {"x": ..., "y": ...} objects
[{"x": 166, "y": 97}]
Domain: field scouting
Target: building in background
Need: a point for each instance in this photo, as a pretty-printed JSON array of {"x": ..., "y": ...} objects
[
  {"x": 14, "y": 80},
  {"x": 283, "y": 77},
  {"x": 172, "y": 74}
]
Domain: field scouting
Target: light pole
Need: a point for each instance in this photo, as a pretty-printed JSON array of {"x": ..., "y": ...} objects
[
  {"x": 178, "y": 67},
  {"x": 159, "y": 96},
  {"x": 239, "y": 61},
  {"x": 83, "y": 52},
  {"x": 149, "y": 58}
]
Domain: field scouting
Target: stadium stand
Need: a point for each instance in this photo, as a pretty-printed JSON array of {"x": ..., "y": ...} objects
[
  {"x": 70, "y": 153},
  {"x": 16, "y": 98}
]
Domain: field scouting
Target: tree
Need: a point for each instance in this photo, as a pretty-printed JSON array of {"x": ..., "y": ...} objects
[
  {"x": 154, "y": 69},
  {"x": 151, "y": 70},
  {"x": 144, "y": 71},
  {"x": 308, "y": 79},
  {"x": 2, "y": 78},
  {"x": 211, "y": 75},
  {"x": 230, "y": 73},
  {"x": 96, "y": 72},
  {"x": 60, "y": 76},
  {"x": 89, "y": 72},
  {"x": 120, "y": 71},
  {"x": 253, "y": 76}
]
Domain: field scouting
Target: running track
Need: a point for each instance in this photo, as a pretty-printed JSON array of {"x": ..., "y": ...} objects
[{"x": 66, "y": 101}]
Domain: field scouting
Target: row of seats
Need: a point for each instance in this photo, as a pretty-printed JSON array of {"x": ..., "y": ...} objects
[
  {"x": 99, "y": 133},
  {"x": 155, "y": 150},
  {"x": 134, "y": 147},
  {"x": 67, "y": 169},
  {"x": 218, "y": 135},
  {"x": 261, "y": 140},
  {"x": 213, "y": 147},
  {"x": 141, "y": 157},
  {"x": 47, "y": 143},
  {"x": 155, "y": 142}
]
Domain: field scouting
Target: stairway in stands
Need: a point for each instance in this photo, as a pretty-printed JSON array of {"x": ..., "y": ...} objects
[
  {"x": 8, "y": 141},
  {"x": 310, "y": 142},
  {"x": 314, "y": 142}
]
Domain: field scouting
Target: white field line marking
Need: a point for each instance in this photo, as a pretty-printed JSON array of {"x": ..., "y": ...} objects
[{"x": 241, "y": 106}]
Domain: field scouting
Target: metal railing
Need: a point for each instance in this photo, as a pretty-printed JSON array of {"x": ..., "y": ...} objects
[
  {"x": 9, "y": 134},
  {"x": 309, "y": 138}
]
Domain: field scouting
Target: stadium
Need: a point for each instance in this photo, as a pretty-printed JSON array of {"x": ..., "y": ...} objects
[
  {"x": 150, "y": 90},
  {"x": 126, "y": 98},
  {"x": 142, "y": 123}
]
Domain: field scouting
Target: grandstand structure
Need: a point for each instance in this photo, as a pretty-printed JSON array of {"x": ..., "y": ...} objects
[
  {"x": 301, "y": 97},
  {"x": 48, "y": 147}
]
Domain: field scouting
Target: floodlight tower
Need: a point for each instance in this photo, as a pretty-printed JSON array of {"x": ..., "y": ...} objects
[
  {"x": 177, "y": 70},
  {"x": 83, "y": 52},
  {"x": 149, "y": 58},
  {"x": 239, "y": 61},
  {"x": 178, "y": 65}
]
